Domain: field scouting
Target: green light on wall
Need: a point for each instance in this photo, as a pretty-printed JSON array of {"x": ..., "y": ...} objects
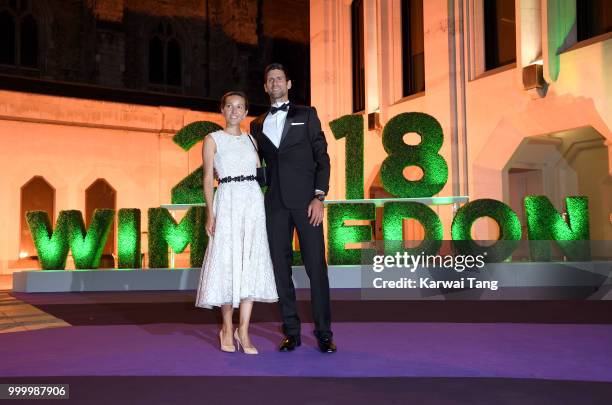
[
  {"x": 128, "y": 235},
  {"x": 393, "y": 235},
  {"x": 424, "y": 155},
  {"x": 86, "y": 245},
  {"x": 189, "y": 190},
  {"x": 351, "y": 128},
  {"x": 545, "y": 223},
  {"x": 509, "y": 229},
  {"x": 164, "y": 232},
  {"x": 339, "y": 234}
]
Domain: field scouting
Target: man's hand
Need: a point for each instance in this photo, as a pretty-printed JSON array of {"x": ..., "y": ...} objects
[{"x": 315, "y": 212}]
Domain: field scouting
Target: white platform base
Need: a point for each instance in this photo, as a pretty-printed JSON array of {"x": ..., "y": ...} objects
[
  {"x": 594, "y": 275},
  {"x": 150, "y": 279}
]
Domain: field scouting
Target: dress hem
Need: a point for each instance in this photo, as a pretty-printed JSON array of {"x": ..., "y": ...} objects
[{"x": 216, "y": 304}]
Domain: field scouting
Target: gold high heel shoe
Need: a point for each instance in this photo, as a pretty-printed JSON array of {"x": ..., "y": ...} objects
[
  {"x": 246, "y": 350},
  {"x": 225, "y": 348}
]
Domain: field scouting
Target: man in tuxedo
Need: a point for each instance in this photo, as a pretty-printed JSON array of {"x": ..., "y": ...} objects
[{"x": 294, "y": 148}]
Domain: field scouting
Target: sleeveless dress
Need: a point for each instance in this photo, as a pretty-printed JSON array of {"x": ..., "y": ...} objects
[{"x": 237, "y": 264}]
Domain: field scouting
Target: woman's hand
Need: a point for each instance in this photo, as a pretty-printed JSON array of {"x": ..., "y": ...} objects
[{"x": 210, "y": 225}]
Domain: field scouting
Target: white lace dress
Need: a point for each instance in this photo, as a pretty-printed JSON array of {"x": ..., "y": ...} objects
[{"x": 237, "y": 264}]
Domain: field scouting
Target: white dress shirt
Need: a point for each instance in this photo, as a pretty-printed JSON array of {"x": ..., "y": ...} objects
[{"x": 274, "y": 124}]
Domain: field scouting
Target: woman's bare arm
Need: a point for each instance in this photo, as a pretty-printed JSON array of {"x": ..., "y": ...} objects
[
  {"x": 256, "y": 149},
  {"x": 208, "y": 155}
]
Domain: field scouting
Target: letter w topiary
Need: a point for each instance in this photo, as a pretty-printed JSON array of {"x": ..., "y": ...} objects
[{"x": 70, "y": 234}]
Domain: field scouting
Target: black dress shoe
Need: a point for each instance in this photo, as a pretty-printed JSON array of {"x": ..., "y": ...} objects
[
  {"x": 326, "y": 345},
  {"x": 289, "y": 343}
]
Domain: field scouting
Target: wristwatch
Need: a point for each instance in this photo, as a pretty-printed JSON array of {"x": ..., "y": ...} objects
[{"x": 320, "y": 197}]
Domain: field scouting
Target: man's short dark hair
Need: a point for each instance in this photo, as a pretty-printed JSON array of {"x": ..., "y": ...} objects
[{"x": 275, "y": 66}]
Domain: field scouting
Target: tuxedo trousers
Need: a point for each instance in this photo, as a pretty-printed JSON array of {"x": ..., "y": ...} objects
[{"x": 281, "y": 223}]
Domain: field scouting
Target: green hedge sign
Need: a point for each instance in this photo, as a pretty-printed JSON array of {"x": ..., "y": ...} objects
[{"x": 544, "y": 222}]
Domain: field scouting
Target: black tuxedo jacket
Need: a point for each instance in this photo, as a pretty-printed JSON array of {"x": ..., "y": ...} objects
[{"x": 300, "y": 165}]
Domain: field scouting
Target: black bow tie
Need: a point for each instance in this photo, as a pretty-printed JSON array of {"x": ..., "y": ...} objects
[{"x": 283, "y": 107}]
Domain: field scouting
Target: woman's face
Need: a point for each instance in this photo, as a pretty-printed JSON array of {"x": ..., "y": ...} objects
[{"x": 234, "y": 110}]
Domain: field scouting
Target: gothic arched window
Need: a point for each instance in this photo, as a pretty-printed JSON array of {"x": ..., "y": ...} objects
[
  {"x": 173, "y": 63},
  {"x": 100, "y": 194},
  {"x": 36, "y": 195},
  {"x": 7, "y": 38},
  {"x": 28, "y": 41},
  {"x": 165, "y": 57},
  {"x": 18, "y": 35}
]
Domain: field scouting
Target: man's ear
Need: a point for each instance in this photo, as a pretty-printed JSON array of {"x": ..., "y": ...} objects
[{"x": 288, "y": 84}]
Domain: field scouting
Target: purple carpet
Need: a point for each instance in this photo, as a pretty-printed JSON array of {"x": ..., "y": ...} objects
[
  {"x": 156, "y": 307},
  {"x": 550, "y": 352}
]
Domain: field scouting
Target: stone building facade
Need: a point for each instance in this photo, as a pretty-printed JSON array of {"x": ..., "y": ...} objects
[{"x": 194, "y": 48}]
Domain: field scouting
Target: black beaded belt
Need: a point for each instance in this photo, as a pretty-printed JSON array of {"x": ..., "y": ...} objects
[{"x": 237, "y": 178}]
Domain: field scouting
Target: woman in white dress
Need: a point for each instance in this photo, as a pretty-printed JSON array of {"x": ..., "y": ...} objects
[{"x": 237, "y": 268}]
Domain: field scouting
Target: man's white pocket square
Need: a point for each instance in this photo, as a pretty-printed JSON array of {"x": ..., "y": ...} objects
[{"x": 297, "y": 123}]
